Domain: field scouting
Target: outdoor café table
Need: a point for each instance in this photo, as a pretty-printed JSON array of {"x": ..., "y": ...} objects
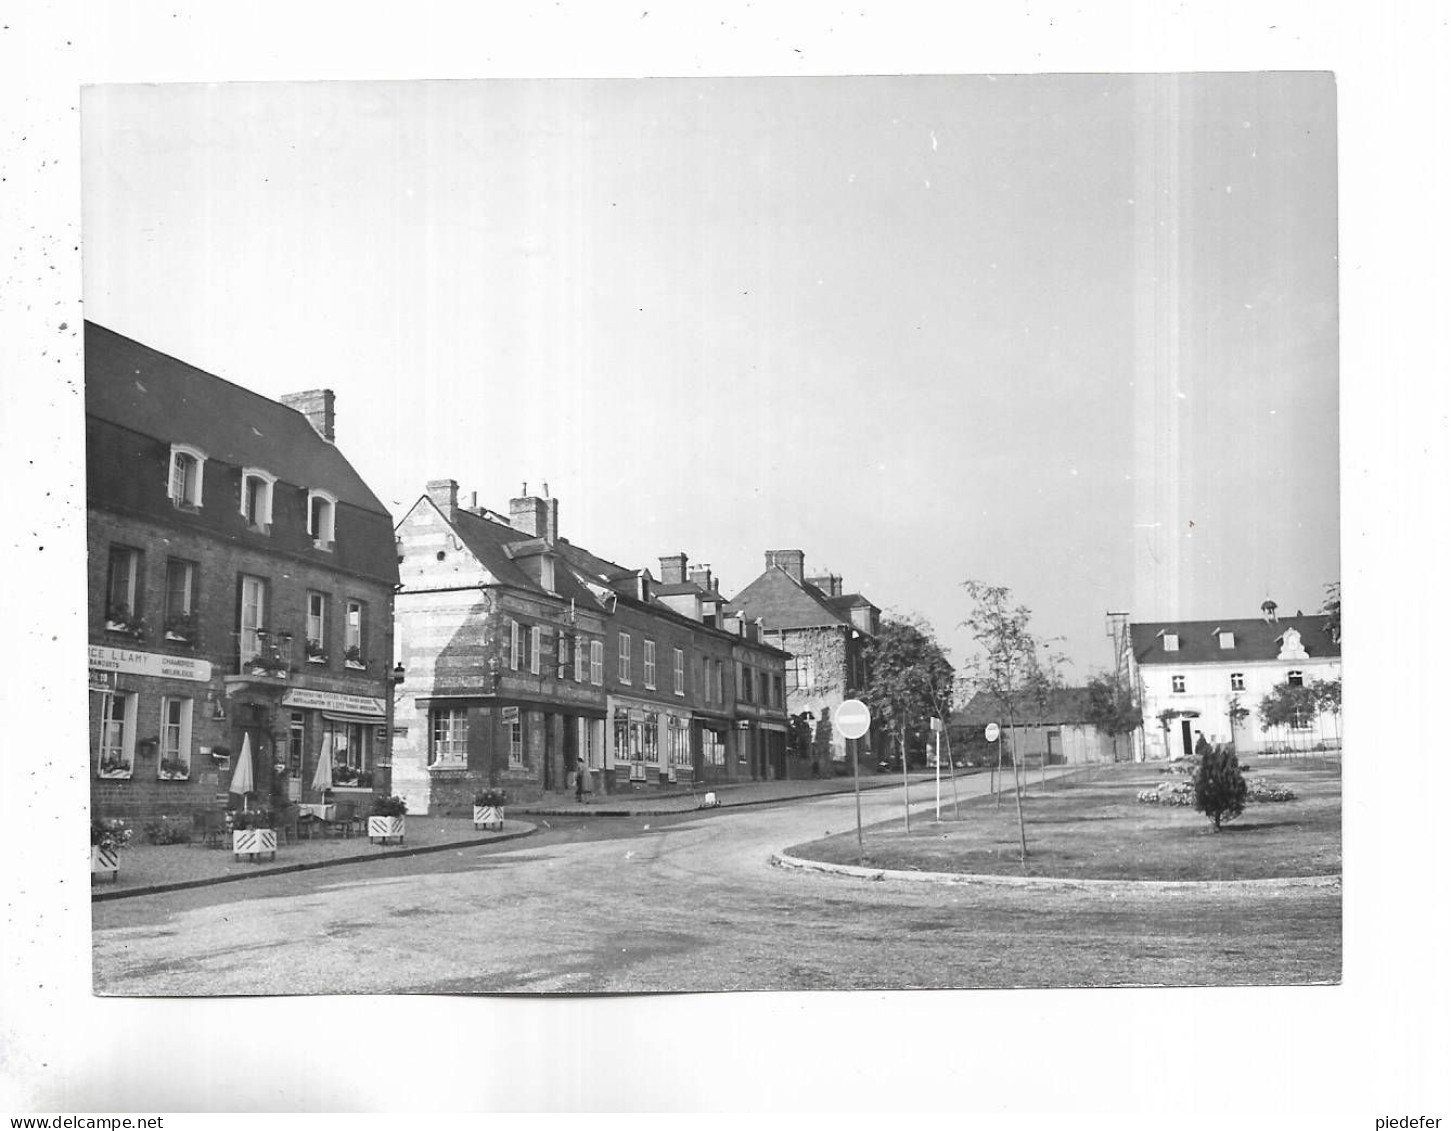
[{"x": 319, "y": 812}]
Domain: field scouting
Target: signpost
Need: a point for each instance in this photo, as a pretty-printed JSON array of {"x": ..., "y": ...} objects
[
  {"x": 993, "y": 734},
  {"x": 937, "y": 761},
  {"x": 854, "y": 720}
]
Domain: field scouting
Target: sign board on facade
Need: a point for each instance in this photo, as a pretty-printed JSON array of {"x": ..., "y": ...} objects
[
  {"x": 853, "y": 719},
  {"x": 509, "y": 714},
  {"x": 102, "y": 680},
  {"x": 131, "y": 662},
  {"x": 992, "y": 732},
  {"x": 333, "y": 701}
]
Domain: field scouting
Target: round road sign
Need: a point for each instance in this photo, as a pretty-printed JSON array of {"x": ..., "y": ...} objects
[
  {"x": 992, "y": 732},
  {"x": 853, "y": 719}
]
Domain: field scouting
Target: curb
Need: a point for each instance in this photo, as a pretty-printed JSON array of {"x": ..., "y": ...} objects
[
  {"x": 311, "y": 866},
  {"x": 782, "y": 860},
  {"x": 721, "y": 804}
]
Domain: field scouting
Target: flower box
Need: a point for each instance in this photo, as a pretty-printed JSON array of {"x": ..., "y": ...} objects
[
  {"x": 355, "y": 665},
  {"x": 385, "y": 828},
  {"x": 488, "y": 816},
  {"x": 254, "y": 842},
  {"x": 105, "y": 860}
]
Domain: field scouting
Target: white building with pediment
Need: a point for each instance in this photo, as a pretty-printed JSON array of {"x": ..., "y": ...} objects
[{"x": 1190, "y": 675}]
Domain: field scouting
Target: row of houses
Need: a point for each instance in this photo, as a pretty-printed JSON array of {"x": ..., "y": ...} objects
[
  {"x": 1190, "y": 679},
  {"x": 247, "y": 590}
]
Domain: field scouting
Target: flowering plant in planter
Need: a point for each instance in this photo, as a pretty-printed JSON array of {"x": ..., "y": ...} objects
[
  {"x": 182, "y": 629},
  {"x": 173, "y": 768},
  {"x": 491, "y": 798},
  {"x": 353, "y": 657},
  {"x": 120, "y": 618},
  {"x": 390, "y": 807},
  {"x": 316, "y": 653},
  {"x": 387, "y": 819},
  {"x": 489, "y": 808},
  {"x": 252, "y": 819},
  {"x": 114, "y": 766},
  {"x": 110, "y": 833}
]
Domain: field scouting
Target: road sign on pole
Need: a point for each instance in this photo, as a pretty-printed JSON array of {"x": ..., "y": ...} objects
[
  {"x": 854, "y": 720},
  {"x": 992, "y": 732}
]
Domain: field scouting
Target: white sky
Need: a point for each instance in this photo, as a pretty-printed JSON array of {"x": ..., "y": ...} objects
[{"x": 1019, "y": 328}]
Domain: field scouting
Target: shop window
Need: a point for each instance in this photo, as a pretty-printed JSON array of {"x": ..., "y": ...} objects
[
  {"x": 116, "y": 743},
  {"x": 650, "y": 738},
  {"x": 516, "y": 742},
  {"x": 351, "y": 744}
]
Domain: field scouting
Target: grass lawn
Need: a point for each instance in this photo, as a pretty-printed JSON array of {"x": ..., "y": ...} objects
[{"x": 1089, "y": 826}]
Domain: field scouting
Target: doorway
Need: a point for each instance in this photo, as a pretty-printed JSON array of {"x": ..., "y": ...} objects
[{"x": 1188, "y": 733}]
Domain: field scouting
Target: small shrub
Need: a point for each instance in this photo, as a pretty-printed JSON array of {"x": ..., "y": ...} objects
[
  {"x": 1219, "y": 786},
  {"x": 256, "y": 819},
  {"x": 390, "y": 807},
  {"x": 491, "y": 798},
  {"x": 166, "y": 831}
]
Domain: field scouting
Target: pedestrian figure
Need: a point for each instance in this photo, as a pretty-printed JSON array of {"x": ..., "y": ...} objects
[
  {"x": 1201, "y": 747},
  {"x": 579, "y": 783}
]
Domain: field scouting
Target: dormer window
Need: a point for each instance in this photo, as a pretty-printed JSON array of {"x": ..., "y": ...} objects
[
  {"x": 321, "y": 517},
  {"x": 1226, "y": 640},
  {"x": 257, "y": 498},
  {"x": 546, "y": 572},
  {"x": 184, "y": 485},
  {"x": 1171, "y": 642}
]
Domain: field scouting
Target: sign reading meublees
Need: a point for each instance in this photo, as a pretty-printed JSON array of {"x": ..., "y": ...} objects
[{"x": 131, "y": 662}]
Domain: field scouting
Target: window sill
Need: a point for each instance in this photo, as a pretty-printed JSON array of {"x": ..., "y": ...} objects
[
  {"x": 317, "y": 659},
  {"x": 114, "y": 775},
  {"x": 353, "y": 665},
  {"x": 322, "y": 544},
  {"x": 174, "y": 777}
]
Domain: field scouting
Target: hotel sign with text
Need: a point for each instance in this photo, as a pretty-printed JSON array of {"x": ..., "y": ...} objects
[{"x": 129, "y": 662}]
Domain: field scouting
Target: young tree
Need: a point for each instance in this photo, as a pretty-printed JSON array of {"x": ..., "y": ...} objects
[
  {"x": 1326, "y": 693},
  {"x": 1014, "y": 666},
  {"x": 1219, "y": 788},
  {"x": 1112, "y": 709},
  {"x": 908, "y": 678},
  {"x": 1287, "y": 705}
]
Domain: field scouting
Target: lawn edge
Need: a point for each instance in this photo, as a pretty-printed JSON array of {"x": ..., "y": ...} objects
[{"x": 783, "y": 860}]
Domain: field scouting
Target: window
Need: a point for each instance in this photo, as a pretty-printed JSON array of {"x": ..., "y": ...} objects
[
  {"x": 597, "y": 662},
  {"x": 350, "y": 742},
  {"x": 581, "y": 661},
  {"x": 184, "y": 485},
  {"x": 450, "y": 735},
  {"x": 1296, "y": 678},
  {"x": 745, "y": 679},
  {"x": 650, "y": 738},
  {"x": 536, "y": 636},
  {"x": 650, "y": 664},
  {"x": 677, "y": 741},
  {"x": 355, "y": 619},
  {"x": 123, "y": 588},
  {"x": 1226, "y": 640},
  {"x": 175, "y": 738},
  {"x": 622, "y": 737},
  {"x": 562, "y": 661},
  {"x": 296, "y": 740},
  {"x": 1171, "y": 642},
  {"x": 1178, "y": 683},
  {"x": 116, "y": 743},
  {"x": 180, "y": 600},
  {"x": 1236, "y": 681},
  {"x": 257, "y": 498},
  {"x": 801, "y": 673},
  {"x": 516, "y": 740},
  {"x": 317, "y": 628},
  {"x": 719, "y": 681},
  {"x": 777, "y": 696},
  {"x": 679, "y": 671},
  {"x": 252, "y": 617},
  {"x": 523, "y": 647},
  {"x": 321, "y": 518},
  {"x": 546, "y": 572},
  {"x": 712, "y": 748},
  {"x": 624, "y": 657}
]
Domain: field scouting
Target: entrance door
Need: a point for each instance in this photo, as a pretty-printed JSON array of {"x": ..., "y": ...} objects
[
  {"x": 1188, "y": 733},
  {"x": 1055, "y": 748}
]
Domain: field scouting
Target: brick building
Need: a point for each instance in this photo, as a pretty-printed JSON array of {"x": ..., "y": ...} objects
[
  {"x": 241, "y": 582},
  {"x": 526, "y": 657},
  {"x": 825, "y": 631}
]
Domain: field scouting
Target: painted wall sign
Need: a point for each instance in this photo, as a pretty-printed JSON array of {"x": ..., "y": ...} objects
[
  {"x": 103, "y": 659},
  {"x": 332, "y": 701}
]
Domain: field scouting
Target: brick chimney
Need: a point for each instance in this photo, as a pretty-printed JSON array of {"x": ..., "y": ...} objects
[
  {"x": 444, "y": 493},
  {"x": 672, "y": 569},
  {"x": 700, "y": 575},
  {"x": 317, "y": 406},
  {"x": 792, "y": 561},
  {"x": 828, "y": 583},
  {"x": 535, "y": 516}
]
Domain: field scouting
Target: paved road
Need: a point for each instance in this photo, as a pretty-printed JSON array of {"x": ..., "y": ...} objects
[{"x": 678, "y": 903}]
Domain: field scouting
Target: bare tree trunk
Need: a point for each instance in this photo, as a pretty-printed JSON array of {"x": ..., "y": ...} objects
[{"x": 1018, "y": 793}]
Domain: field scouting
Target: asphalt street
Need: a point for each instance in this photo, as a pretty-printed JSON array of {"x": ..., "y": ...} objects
[{"x": 673, "y": 903}]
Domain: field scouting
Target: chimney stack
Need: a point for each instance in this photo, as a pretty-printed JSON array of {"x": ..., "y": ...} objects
[
  {"x": 700, "y": 575},
  {"x": 317, "y": 406},
  {"x": 792, "y": 561},
  {"x": 444, "y": 493},
  {"x": 672, "y": 569},
  {"x": 535, "y": 516},
  {"x": 828, "y": 583}
]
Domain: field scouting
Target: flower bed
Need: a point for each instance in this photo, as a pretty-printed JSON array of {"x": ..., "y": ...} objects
[{"x": 1168, "y": 793}]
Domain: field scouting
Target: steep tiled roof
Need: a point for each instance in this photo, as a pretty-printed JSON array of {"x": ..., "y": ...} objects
[
  {"x": 496, "y": 545},
  {"x": 1254, "y": 639},
  {"x": 782, "y": 602},
  {"x": 1066, "y": 705},
  {"x": 148, "y": 393}
]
